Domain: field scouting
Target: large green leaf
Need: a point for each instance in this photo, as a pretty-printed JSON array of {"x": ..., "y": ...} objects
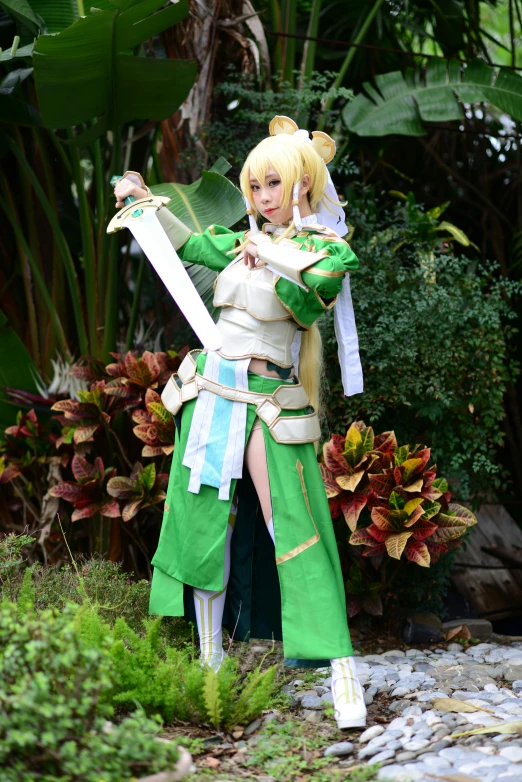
[
  {"x": 84, "y": 73},
  {"x": 402, "y": 104},
  {"x": 211, "y": 200},
  {"x": 22, "y": 11},
  {"x": 59, "y": 14},
  {"x": 16, "y": 370}
]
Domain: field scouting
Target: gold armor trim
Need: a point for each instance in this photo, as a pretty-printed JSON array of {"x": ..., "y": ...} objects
[
  {"x": 315, "y": 538},
  {"x": 324, "y": 272},
  {"x": 323, "y": 305},
  {"x": 294, "y": 429}
]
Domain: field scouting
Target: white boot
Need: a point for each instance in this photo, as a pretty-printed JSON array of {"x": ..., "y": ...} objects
[
  {"x": 347, "y": 694},
  {"x": 209, "y": 616}
]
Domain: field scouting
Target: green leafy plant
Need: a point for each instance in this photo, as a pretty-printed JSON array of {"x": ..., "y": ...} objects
[
  {"x": 144, "y": 488},
  {"x": 437, "y": 334},
  {"x": 56, "y": 715},
  {"x": 399, "y": 104},
  {"x": 409, "y": 507}
]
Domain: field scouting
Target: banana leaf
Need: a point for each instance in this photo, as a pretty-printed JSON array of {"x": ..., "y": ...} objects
[
  {"x": 59, "y": 14},
  {"x": 86, "y": 72},
  {"x": 16, "y": 370},
  {"x": 401, "y": 104},
  {"x": 24, "y": 14},
  {"x": 211, "y": 200}
]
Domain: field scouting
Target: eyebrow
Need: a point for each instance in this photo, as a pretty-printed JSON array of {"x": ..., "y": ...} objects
[{"x": 270, "y": 175}]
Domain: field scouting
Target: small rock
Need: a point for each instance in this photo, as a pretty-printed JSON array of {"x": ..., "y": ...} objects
[
  {"x": 412, "y": 711},
  {"x": 312, "y": 702},
  {"x": 386, "y": 754},
  {"x": 321, "y": 690},
  {"x": 252, "y": 727},
  {"x": 259, "y": 649},
  {"x": 398, "y": 692},
  {"x": 517, "y": 685},
  {"x": 339, "y": 749},
  {"x": 297, "y": 682},
  {"x": 371, "y": 733},
  {"x": 513, "y": 673},
  {"x": 368, "y": 697},
  {"x": 438, "y": 745},
  {"x": 514, "y": 754},
  {"x": 415, "y": 744},
  {"x": 378, "y": 741},
  {"x": 269, "y": 718},
  {"x": 454, "y": 648},
  {"x": 288, "y": 689},
  {"x": 313, "y": 716},
  {"x": 402, "y": 757},
  {"x": 302, "y": 693}
]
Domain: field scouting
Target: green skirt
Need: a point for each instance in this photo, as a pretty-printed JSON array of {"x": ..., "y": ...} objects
[{"x": 298, "y": 594}]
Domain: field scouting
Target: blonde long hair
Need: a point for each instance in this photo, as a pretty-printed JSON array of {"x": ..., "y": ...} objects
[{"x": 293, "y": 157}]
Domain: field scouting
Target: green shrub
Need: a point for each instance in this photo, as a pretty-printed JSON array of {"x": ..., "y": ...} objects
[
  {"x": 434, "y": 332},
  {"x": 55, "y": 710},
  {"x": 12, "y": 563},
  {"x": 171, "y": 682}
]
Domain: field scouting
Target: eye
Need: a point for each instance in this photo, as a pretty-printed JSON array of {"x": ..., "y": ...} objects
[
  {"x": 254, "y": 188},
  {"x": 274, "y": 182}
]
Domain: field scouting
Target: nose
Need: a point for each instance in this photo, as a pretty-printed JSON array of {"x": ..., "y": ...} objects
[{"x": 265, "y": 196}]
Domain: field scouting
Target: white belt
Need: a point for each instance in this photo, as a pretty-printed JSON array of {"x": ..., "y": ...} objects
[{"x": 284, "y": 429}]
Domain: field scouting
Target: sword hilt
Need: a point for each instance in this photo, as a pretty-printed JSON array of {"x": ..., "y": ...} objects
[{"x": 130, "y": 199}]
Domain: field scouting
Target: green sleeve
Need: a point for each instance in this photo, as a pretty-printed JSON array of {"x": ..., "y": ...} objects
[
  {"x": 209, "y": 248},
  {"x": 326, "y": 276},
  {"x": 324, "y": 279}
]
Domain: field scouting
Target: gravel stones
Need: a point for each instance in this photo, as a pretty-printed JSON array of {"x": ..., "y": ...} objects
[{"x": 418, "y": 742}]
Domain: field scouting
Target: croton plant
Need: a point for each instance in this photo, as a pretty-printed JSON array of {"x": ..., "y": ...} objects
[
  {"x": 104, "y": 425},
  {"x": 393, "y": 503}
]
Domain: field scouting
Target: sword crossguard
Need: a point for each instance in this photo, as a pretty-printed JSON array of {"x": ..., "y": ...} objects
[
  {"x": 119, "y": 220},
  {"x": 134, "y": 210}
]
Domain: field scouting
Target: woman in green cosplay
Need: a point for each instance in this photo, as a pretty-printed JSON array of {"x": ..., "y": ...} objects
[{"x": 244, "y": 475}]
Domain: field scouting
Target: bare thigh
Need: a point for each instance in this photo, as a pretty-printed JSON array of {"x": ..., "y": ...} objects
[{"x": 255, "y": 459}]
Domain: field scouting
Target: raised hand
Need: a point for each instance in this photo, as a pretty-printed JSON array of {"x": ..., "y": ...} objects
[{"x": 129, "y": 186}]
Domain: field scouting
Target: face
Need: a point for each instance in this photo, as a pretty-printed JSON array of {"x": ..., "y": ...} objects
[{"x": 268, "y": 196}]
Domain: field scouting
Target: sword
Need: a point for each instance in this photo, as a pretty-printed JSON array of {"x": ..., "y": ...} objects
[{"x": 139, "y": 216}]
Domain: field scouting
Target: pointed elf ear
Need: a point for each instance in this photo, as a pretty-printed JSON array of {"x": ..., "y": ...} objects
[
  {"x": 282, "y": 125},
  {"x": 323, "y": 145}
]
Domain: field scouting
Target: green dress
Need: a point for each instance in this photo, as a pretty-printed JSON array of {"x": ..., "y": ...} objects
[{"x": 298, "y": 595}]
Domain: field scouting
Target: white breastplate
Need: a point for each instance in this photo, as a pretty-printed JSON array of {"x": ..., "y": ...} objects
[{"x": 253, "y": 322}]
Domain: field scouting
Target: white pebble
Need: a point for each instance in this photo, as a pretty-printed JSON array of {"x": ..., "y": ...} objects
[
  {"x": 371, "y": 733},
  {"x": 514, "y": 754},
  {"x": 416, "y": 744}
]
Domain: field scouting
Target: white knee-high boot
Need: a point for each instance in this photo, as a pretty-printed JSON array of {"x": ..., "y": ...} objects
[
  {"x": 209, "y": 616},
  {"x": 347, "y": 694}
]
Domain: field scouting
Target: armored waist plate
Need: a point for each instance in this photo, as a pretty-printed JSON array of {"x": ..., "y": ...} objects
[{"x": 284, "y": 429}]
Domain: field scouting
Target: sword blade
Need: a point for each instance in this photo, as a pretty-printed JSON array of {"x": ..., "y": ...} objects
[{"x": 154, "y": 242}]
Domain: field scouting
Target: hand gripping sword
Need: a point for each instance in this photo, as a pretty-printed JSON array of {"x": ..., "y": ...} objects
[{"x": 139, "y": 216}]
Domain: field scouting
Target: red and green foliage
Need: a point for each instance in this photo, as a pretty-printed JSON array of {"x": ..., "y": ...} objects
[
  {"x": 408, "y": 513},
  {"x": 143, "y": 489},
  {"x": 88, "y": 491},
  {"x": 115, "y": 420}
]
